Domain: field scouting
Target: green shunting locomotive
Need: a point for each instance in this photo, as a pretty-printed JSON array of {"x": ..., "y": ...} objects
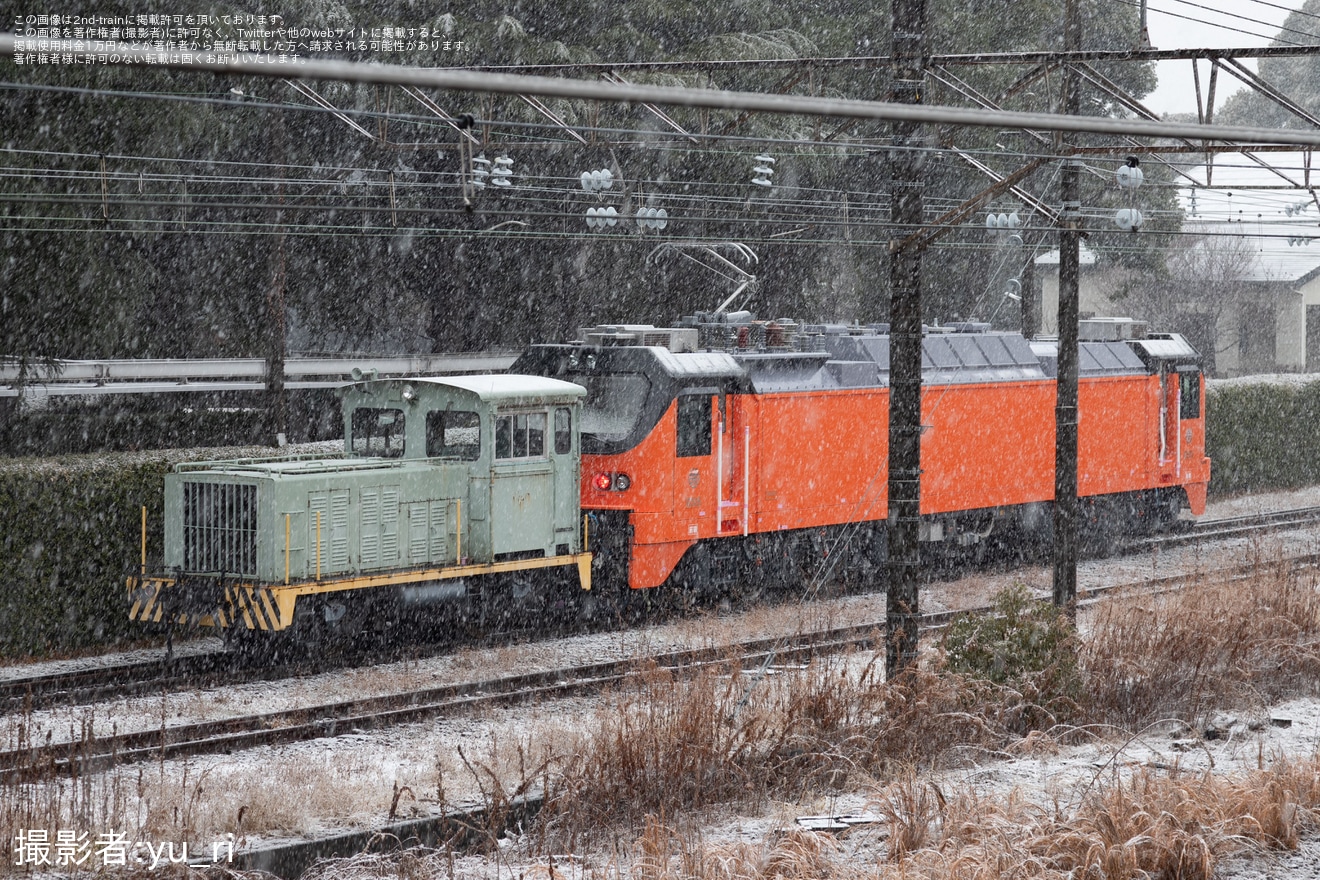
[{"x": 447, "y": 488}]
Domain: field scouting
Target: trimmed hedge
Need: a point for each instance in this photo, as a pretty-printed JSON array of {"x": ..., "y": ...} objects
[
  {"x": 76, "y": 425},
  {"x": 1262, "y": 433},
  {"x": 70, "y": 532}
]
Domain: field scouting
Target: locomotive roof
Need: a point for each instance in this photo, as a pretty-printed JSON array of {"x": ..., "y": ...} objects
[
  {"x": 495, "y": 388},
  {"x": 782, "y": 355}
]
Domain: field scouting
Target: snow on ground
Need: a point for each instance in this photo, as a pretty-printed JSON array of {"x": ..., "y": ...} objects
[
  {"x": 1053, "y": 778},
  {"x": 1262, "y": 502},
  {"x": 353, "y": 780}
]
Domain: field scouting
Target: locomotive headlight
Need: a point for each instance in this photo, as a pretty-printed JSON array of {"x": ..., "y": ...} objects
[
  {"x": 622, "y": 482},
  {"x": 603, "y": 482},
  {"x": 409, "y": 394}
]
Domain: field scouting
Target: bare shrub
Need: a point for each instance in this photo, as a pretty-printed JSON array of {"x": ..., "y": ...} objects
[
  {"x": 1206, "y": 646},
  {"x": 674, "y": 745}
]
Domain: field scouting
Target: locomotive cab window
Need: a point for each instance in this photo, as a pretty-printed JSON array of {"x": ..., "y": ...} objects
[
  {"x": 563, "y": 431},
  {"x": 453, "y": 434},
  {"x": 377, "y": 432},
  {"x": 614, "y": 403},
  {"x": 693, "y": 425},
  {"x": 1189, "y": 395},
  {"x": 520, "y": 435}
]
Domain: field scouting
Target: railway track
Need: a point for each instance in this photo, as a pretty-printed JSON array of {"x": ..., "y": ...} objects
[
  {"x": 1239, "y": 526},
  {"x": 156, "y": 676},
  {"x": 91, "y": 754},
  {"x": 353, "y": 716},
  {"x": 200, "y": 671}
]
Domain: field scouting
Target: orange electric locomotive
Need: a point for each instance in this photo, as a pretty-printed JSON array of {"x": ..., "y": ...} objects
[{"x": 732, "y": 453}]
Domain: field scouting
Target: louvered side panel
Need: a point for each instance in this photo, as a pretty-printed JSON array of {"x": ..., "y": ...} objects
[
  {"x": 369, "y": 529},
  {"x": 318, "y": 528},
  {"x": 439, "y": 533},
  {"x": 419, "y": 531},
  {"x": 389, "y": 526},
  {"x": 339, "y": 530}
]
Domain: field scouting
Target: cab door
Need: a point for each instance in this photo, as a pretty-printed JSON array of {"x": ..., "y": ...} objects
[
  {"x": 1193, "y": 466},
  {"x": 1170, "y": 427},
  {"x": 733, "y": 447},
  {"x": 695, "y": 504},
  {"x": 567, "y": 477},
  {"x": 710, "y": 464},
  {"x": 522, "y": 494}
]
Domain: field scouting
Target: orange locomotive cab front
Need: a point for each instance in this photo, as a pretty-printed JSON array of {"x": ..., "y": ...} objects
[
  {"x": 651, "y": 443},
  {"x": 1177, "y": 400}
]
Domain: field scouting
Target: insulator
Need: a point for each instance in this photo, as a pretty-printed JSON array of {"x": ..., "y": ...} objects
[
  {"x": 503, "y": 172},
  {"x": 1130, "y": 176},
  {"x": 1128, "y": 219}
]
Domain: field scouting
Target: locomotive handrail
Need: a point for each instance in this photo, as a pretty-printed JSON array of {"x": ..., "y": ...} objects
[{"x": 258, "y": 459}]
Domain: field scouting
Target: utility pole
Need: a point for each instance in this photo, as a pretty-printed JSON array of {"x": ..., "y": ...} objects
[
  {"x": 277, "y": 411},
  {"x": 1065, "y": 410},
  {"x": 906, "y": 203}
]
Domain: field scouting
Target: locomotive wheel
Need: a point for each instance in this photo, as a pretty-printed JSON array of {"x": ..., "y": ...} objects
[
  {"x": 747, "y": 592},
  {"x": 512, "y": 601}
]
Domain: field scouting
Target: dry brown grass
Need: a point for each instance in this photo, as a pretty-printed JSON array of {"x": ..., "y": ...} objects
[
  {"x": 673, "y": 746},
  {"x": 663, "y": 853},
  {"x": 1147, "y": 826},
  {"x": 1208, "y": 646}
]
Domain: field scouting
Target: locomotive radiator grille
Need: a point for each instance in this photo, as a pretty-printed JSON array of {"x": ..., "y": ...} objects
[{"x": 220, "y": 528}]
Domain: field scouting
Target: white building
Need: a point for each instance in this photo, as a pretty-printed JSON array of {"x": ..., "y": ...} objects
[{"x": 1248, "y": 293}]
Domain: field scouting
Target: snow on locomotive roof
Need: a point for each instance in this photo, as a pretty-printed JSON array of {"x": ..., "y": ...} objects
[
  {"x": 1166, "y": 346},
  {"x": 500, "y": 387},
  {"x": 705, "y": 364}
]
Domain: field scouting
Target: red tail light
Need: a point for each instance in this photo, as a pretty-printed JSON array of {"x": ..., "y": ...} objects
[{"x": 612, "y": 482}]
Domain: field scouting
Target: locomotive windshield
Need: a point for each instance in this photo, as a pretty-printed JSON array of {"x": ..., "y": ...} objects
[
  {"x": 1190, "y": 394},
  {"x": 377, "y": 432},
  {"x": 614, "y": 403},
  {"x": 453, "y": 434}
]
